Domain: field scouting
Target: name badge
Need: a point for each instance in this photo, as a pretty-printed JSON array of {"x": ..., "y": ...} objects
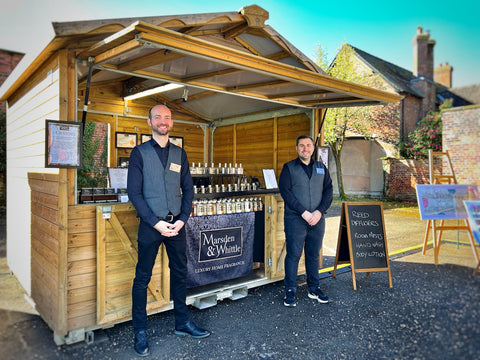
[
  {"x": 175, "y": 167},
  {"x": 320, "y": 171}
]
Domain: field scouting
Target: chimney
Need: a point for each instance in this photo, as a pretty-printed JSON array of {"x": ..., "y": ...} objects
[
  {"x": 443, "y": 74},
  {"x": 423, "y": 54}
]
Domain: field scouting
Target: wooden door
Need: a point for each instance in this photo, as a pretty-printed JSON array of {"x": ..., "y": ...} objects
[
  {"x": 117, "y": 228},
  {"x": 275, "y": 246}
]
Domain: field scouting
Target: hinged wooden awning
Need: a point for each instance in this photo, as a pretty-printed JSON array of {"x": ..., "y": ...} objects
[
  {"x": 213, "y": 73},
  {"x": 228, "y": 64}
]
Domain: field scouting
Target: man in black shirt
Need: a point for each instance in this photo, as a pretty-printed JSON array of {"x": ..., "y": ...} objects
[
  {"x": 306, "y": 188},
  {"x": 161, "y": 189}
]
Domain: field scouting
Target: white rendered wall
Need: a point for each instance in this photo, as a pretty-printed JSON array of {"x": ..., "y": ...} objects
[{"x": 26, "y": 153}]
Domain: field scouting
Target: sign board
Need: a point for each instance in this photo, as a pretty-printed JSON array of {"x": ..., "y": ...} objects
[
  {"x": 361, "y": 239},
  {"x": 63, "y": 144},
  {"x": 118, "y": 177},
  {"x": 322, "y": 155},
  {"x": 270, "y": 179},
  {"x": 473, "y": 212},
  {"x": 444, "y": 201},
  {"x": 219, "y": 247}
]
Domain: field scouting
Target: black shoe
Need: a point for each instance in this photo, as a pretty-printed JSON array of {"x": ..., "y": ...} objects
[
  {"x": 318, "y": 295},
  {"x": 141, "y": 343},
  {"x": 189, "y": 328},
  {"x": 289, "y": 300}
]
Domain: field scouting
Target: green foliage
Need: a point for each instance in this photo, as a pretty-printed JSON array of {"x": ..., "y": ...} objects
[
  {"x": 94, "y": 170},
  {"x": 339, "y": 122},
  {"x": 426, "y": 136}
]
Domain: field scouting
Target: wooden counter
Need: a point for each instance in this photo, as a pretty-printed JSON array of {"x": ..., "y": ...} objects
[{"x": 97, "y": 258}]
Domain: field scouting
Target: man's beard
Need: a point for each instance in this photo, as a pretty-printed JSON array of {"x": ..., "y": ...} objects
[{"x": 161, "y": 132}]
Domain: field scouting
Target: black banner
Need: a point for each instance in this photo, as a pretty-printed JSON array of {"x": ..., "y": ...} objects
[{"x": 219, "y": 247}]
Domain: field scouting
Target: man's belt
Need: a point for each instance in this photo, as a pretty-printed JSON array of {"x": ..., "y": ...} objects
[{"x": 169, "y": 218}]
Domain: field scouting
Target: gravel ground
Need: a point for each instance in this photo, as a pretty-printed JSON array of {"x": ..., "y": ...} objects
[{"x": 431, "y": 312}]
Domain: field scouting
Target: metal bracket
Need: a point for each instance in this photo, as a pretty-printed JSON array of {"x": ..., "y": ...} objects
[{"x": 106, "y": 212}]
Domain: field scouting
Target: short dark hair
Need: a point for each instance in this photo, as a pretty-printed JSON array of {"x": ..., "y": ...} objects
[
  {"x": 305, "y": 137},
  {"x": 150, "y": 111}
]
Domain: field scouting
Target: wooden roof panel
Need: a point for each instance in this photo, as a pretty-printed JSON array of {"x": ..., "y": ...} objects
[{"x": 232, "y": 62}]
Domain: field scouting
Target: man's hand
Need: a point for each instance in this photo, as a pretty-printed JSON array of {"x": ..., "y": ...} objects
[
  {"x": 167, "y": 229},
  {"x": 312, "y": 218}
]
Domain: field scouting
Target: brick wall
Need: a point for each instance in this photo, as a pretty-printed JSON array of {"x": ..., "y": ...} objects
[
  {"x": 401, "y": 176},
  {"x": 8, "y": 62},
  {"x": 461, "y": 134}
]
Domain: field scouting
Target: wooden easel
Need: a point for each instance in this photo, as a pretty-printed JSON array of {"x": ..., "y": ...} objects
[{"x": 449, "y": 178}]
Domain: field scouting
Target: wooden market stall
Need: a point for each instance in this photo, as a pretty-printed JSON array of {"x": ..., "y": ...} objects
[{"x": 243, "y": 95}]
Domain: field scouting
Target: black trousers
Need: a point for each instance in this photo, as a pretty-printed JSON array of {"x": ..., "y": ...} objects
[{"x": 149, "y": 240}]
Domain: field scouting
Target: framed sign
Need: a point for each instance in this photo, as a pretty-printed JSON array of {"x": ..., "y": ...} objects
[
  {"x": 63, "y": 144},
  {"x": 145, "y": 137},
  {"x": 473, "y": 212},
  {"x": 177, "y": 140},
  {"x": 118, "y": 177},
  {"x": 322, "y": 155},
  {"x": 124, "y": 140},
  {"x": 270, "y": 179}
]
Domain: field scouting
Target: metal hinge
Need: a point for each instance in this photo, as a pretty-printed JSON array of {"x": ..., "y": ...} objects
[
  {"x": 270, "y": 209},
  {"x": 269, "y": 261}
]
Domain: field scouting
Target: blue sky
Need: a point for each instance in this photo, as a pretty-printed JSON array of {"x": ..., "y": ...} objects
[{"x": 384, "y": 29}]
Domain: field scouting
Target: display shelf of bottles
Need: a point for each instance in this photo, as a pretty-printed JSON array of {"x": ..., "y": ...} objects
[
  {"x": 216, "y": 170},
  {"x": 217, "y": 195},
  {"x": 226, "y": 205}
]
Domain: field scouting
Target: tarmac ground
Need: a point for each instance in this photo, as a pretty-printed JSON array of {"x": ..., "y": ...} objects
[{"x": 430, "y": 312}]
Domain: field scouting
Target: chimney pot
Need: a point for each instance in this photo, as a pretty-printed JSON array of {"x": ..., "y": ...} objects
[{"x": 419, "y": 30}]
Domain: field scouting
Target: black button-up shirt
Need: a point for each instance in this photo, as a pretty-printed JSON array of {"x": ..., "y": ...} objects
[
  {"x": 135, "y": 184},
  {"x": 285, "y": 187}
]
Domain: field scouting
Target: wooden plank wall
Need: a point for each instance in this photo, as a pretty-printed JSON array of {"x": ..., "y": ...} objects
[
  {"x": 107, "y": 106},
  {"x": 260, "y": 145},
  {"x": 45, "y": 245},
  {"x": 82, "y": 267},
  {"x": 35, "y": 101}
]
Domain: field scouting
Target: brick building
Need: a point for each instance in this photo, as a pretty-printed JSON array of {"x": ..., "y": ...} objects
[
  {"x": 422, "y": 89},
  {"x": 8, "y": 62},
  {"x": 461, "y": 131}
]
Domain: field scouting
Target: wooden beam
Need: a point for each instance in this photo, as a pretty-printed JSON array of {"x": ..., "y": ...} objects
[
  {"x": 266, "y": 84},
  {"x": 209, "y": 51},
  {"x": 62, "y": 221},
  {"x": 229, "y": 34},
  {"x": 117, "y": 51},
  {"x": 159, "y": 57},
  {"x": 296, "y": 94},
  {"x": 248, "y": 46}
]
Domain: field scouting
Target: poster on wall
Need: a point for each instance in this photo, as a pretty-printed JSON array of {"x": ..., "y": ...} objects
[{"x": 63, "y": 144}]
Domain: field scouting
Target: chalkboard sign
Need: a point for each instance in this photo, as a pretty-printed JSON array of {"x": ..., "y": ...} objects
[{"x": 361, "y": 239}]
